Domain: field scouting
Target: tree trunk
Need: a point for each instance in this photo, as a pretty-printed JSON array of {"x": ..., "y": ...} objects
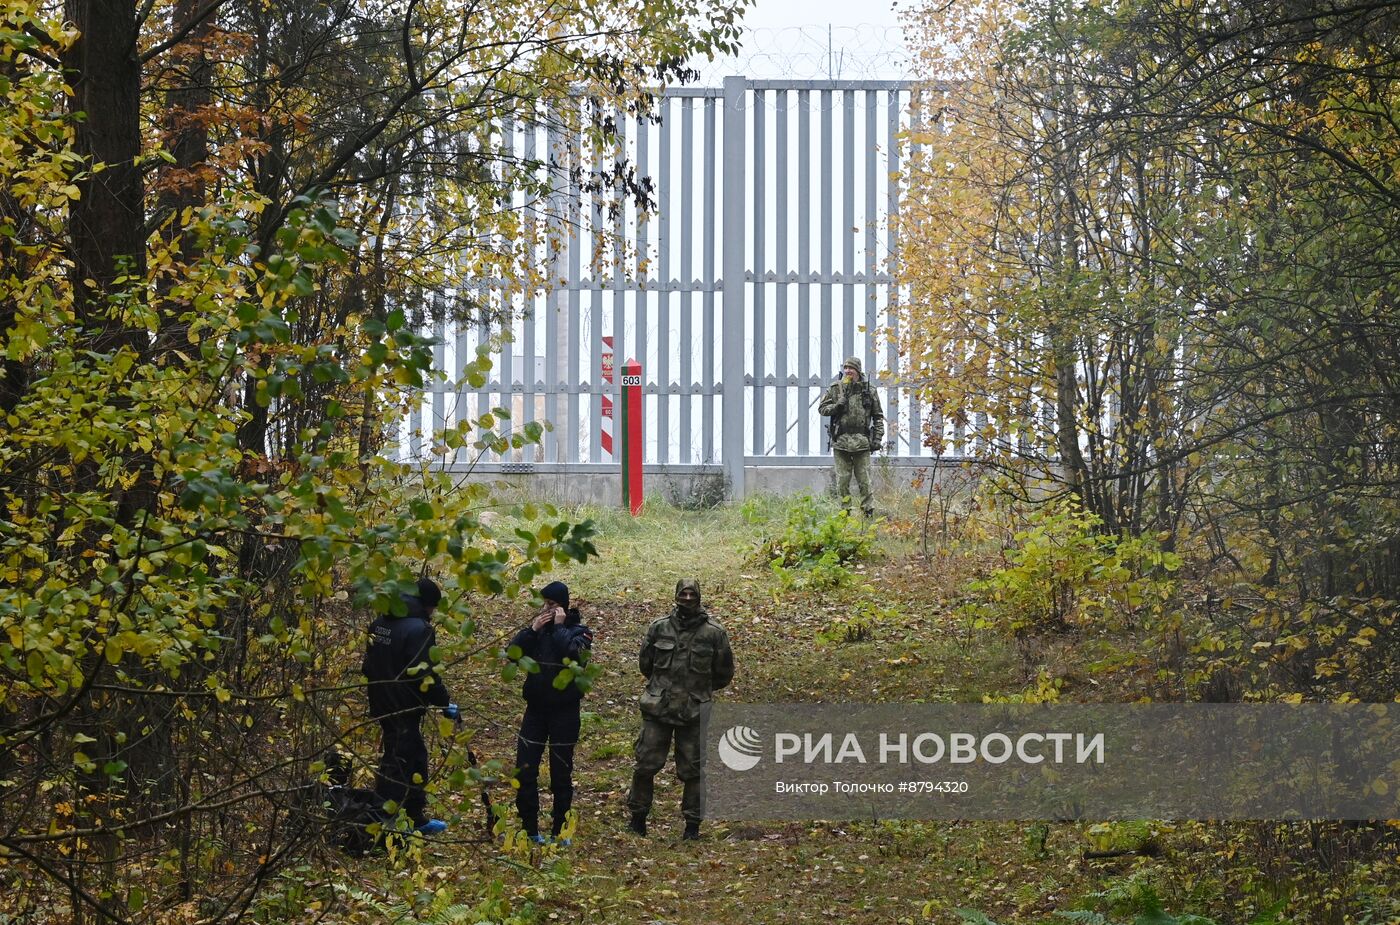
[{"x": 107, "y": 222}]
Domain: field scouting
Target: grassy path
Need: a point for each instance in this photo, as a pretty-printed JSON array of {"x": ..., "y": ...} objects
[{"x": 783, "y": 872}]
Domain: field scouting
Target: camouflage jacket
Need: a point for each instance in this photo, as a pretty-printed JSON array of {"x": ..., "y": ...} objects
[
  {"x": 856, "y": 413},
  {"x": 685, "y": 662}
]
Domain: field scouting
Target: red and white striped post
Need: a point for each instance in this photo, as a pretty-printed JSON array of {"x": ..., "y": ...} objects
[
  {"x": 631, "y": 427},
  {"x": 605, "y": 435}
]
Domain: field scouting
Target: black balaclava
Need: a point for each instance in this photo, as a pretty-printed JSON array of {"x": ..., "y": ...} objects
[{"x": 687, "y": 614}]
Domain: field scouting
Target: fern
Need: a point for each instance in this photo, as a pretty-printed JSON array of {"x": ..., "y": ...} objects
[
  {"x": 973, "y": 917},
  {"x": 452, "y": 915},
  {"x": 1156, "y": 917}
]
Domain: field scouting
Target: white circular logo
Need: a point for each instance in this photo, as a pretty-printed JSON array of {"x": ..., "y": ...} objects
[{"x": 740, "y": 748}]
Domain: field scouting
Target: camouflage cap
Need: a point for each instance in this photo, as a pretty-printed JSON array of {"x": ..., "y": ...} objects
[{"x": 853, "y": 363}]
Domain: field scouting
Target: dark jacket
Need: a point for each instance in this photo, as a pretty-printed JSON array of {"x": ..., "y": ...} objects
[
  {"x": 403, "y": 678},
  {"x": 549, "y": 647}
]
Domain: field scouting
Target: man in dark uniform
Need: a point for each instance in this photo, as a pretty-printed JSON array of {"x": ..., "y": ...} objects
[
  {"x": 685, "y": 658},
  {"x": 552, "y": 711},
  {"x": 403, "y": 683}
]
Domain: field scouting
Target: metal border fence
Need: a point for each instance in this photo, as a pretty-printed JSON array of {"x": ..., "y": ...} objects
[{"x": 787, "y": 187}]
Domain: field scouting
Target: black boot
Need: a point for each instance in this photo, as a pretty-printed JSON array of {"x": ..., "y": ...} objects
[
  {"x": 638, "y": 824},
  {"x": 692, "y": 832}
]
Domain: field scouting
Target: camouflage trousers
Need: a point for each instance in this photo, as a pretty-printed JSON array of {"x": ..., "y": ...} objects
[
  {"x": 857, "y": 464},
  {"x": 653, "y": 746}
]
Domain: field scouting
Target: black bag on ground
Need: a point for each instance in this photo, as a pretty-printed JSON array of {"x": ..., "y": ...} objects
[{"x": 346, "y": 812}]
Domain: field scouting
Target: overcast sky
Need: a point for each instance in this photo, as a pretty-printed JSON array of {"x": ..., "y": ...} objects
[{"x": 812, "y": 39}]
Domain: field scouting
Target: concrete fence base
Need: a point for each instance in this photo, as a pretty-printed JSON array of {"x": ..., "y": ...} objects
[{"x": 702, "y": 486}]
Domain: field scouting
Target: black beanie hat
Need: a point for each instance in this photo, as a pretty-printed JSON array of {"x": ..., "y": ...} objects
[
  {"x": 428, "y": 592},
  {"x": 558, "y": 592}
]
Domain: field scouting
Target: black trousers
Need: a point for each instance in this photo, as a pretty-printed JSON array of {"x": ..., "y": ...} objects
[
  {"x": 555, "y": 727},
  {"x": 404, "y": 768}
]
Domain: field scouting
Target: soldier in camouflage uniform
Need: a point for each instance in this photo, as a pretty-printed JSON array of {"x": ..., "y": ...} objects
[
  {"x": 685, "y": 658},
  {"x": 857, "y": 430}
]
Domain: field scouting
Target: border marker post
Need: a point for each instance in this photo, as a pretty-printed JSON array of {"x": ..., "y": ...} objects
[{"x": 631, "y": 427}]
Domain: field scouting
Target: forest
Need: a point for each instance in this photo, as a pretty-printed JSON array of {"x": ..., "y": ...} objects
[{"x": 1149, "y": 273}]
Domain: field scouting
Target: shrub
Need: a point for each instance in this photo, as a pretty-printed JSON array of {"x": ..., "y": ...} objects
[
  {"x": 1062, "y": 568},
  {"x": 813, "y": 545},
  {"x": 813, "y": 531},
  {"x": 858, "y": 625},
  {"x": 704, "y": 492}
]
